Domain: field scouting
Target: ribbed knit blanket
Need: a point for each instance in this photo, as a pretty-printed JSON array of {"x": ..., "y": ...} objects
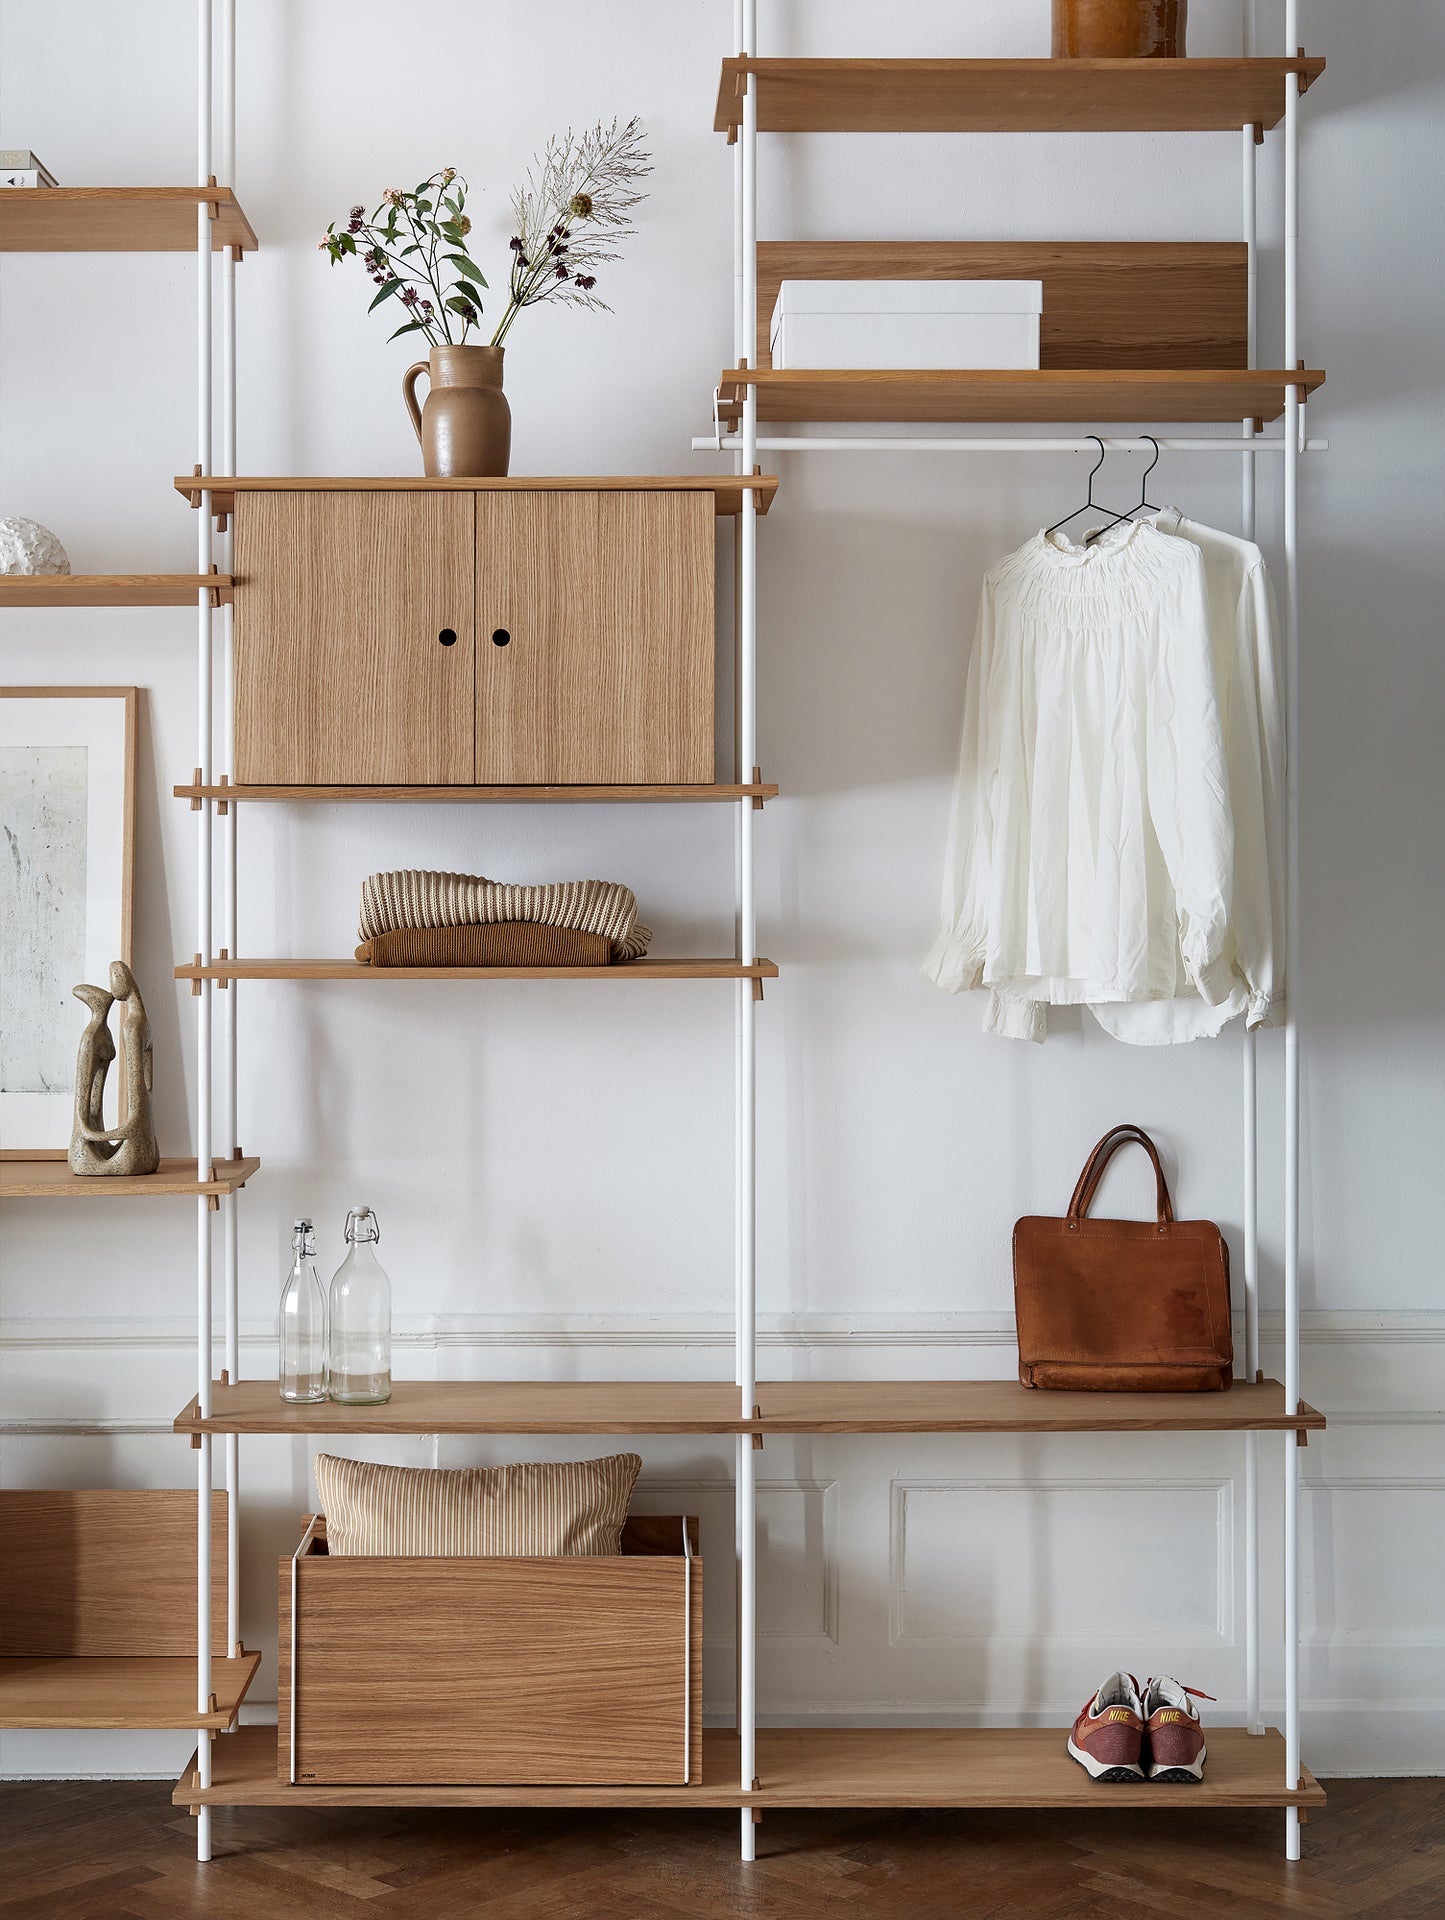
[{"x": 390, "y": 901}]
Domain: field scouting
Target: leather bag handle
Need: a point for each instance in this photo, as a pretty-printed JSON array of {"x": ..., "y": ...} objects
[{"x": 1093, "y": 1173}]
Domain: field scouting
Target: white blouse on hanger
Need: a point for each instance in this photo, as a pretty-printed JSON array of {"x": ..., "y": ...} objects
[
  {"x": 1090, "y": 849},
  {"x": 1242, "y": 640}
]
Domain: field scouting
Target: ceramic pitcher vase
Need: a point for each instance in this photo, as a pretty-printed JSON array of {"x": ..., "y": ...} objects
[
  {"x": 1119, "y": 29},
  {"x": 465, "y": 426}
]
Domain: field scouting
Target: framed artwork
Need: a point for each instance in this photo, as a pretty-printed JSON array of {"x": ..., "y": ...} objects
[{"x": 67, "y": 841}]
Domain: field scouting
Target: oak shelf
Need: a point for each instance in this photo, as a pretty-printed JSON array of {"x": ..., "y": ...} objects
[
  {"x": 727, "y": 489},
  {"x": 1015, "y": 394},
  {"x": 500, "y": 796},
  {"x": 1010, "y": 96},
  {"x": 812, "y": 1767},
  {"x": 785, "y": 1407},
  {"x": 115, "y": 1690},
  {"x": 644, "y": 969},
  {"x": 118, "y": 220},
  {"x": 111, "y": 589},
  {"x": 482, "y": 1406},
  {"x": 52, "y": 1180}
]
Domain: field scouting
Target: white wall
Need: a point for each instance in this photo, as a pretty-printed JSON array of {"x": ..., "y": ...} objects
[{"x": 552, "y": 1165}]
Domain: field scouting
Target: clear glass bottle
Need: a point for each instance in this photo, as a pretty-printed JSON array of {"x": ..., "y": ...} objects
[
  {"x": 359, "y": 1365},
  {"x": 302, "y": 1329}
]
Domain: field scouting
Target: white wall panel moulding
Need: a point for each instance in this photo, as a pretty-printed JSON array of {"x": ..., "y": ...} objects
[{"x": 987, "y": 1562}]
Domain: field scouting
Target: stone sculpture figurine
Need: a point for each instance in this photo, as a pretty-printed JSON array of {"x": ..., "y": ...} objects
[{"x": 130, "y": 1147}]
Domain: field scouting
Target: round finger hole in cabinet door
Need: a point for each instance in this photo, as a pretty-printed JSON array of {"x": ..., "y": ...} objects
[
  {"x": 448, "y": 636},
  {"x": 501, "y": 637}
]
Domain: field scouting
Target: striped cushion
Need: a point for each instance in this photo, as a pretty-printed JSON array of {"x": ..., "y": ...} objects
[{"x": 538, "y": 1507}]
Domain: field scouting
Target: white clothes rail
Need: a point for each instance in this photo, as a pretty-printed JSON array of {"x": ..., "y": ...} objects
[{"x": 834, "y": 443}]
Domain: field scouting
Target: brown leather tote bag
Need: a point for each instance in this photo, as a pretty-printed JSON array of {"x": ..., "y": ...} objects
[{"x": 1122, "y": 1305}]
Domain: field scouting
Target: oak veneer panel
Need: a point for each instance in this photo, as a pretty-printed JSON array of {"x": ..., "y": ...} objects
[
  {"x": 243, "y": 1774},
  {"x": 110, "y": 589},
  {"x": 106, "y": 1572},
  {"x": 340, "y": 676},
  {"x": 132, "y": 1690},
  {"x": 1012, "y": 394},
  {"x": 118, "y": 220},
  {"x": 608, "y": 676},
  {"x": 1000, "y": 1767},
  {"x": 483, "y": 1406},
  {"x": 1107, "y": 304},
  {"x": 648, "y": 968},
  {"x": 575, "y": 795},
  {"x": 53, "y": 1180},
  {"x": 793, "y": 1406},
  {"x": 817, "y": 1767},
  {"x": 1010, "y": 96},
  {"x": 452, "y": 1671},
  {"x": 725, "y": 489},
  {"x": 1003, "y": 1406}
]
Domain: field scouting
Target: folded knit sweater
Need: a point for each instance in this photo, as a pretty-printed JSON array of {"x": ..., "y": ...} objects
[{"x": 391, "y": 901}]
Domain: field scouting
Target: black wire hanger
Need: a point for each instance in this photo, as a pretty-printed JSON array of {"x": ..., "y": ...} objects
[
  {"x": 1146, "y": 505},
  {"x": 1091, "y": 505}
]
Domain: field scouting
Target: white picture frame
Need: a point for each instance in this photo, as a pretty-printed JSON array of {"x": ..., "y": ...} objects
[{"x": 67, "y": 810}]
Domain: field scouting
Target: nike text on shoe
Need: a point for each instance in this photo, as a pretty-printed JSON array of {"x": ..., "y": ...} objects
[
  {"x": 1174, "y": 1746},
  {"x": 1107, "y": 1737}
]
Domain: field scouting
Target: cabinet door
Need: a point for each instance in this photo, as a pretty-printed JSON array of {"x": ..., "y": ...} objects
[
  {"x": 355, "y": 662},
  {"x": 595, "y": 649}
]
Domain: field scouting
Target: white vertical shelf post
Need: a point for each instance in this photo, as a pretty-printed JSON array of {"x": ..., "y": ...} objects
[
  {"x": 203, "y": 912},
  {"x": 229, "y": 1052},
  {"x": 1249, "y": 225},
  {"x": 745, "y": 183},
  {"x": 1292, "y": 427}
]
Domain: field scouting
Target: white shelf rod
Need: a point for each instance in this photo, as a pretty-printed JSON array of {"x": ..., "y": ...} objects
[
  {"x": 745, "y": 180},
  {"x": 204, "y": 323},
  {"x": 779, "y": 443},
  {"x": 1249, "y": 1054},
  {"x": 1292, "y": 436},
  {"x": 229, "y": 1046}
]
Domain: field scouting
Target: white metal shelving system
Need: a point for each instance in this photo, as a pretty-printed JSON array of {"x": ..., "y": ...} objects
[
  {"x": 746, "y": 443},
  {"x": 215, "y": 142},
  {"x": 217, "y": 1038}
]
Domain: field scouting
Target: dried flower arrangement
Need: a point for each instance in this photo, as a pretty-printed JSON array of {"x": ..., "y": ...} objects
[{"x": 571, "y": 212}]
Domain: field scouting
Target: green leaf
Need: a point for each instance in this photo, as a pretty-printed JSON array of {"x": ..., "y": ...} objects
[
  {"x": 422, "y": 206},
  {"x": 412, "y": 326},
  {"x": 466, "y": 307},
  {"x": 407, "y": 252},
  {"x": 467, "y": 267},
  {"x": 387, "y": 289}
]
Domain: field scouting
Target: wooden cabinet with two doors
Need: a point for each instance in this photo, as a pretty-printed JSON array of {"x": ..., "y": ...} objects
[{"x": 459, "y": 633}]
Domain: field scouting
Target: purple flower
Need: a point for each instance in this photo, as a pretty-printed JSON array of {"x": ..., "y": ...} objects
[
  {"x": 358, "y": 212},
  {"x": 561, "y": 273},
  {"x": 515, "y": 243},
  {"x": 587, "y": 281},
  {"x": 409, "y": 296}
]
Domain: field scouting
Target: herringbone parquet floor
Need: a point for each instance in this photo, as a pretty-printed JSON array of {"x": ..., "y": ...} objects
[{"x": 87, "y": 1850}]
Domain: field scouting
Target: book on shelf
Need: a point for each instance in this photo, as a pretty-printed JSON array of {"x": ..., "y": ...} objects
[{"x": 19, "y": 167}]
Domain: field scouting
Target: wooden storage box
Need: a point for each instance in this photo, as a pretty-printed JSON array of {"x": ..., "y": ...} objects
[
  {"x": 477, "y": 1672},
  {"x": 501, "y": 636}
]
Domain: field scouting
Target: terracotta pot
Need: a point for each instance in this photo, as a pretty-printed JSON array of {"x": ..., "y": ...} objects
[
  {"x": 465, "y": 427},
  {"x": 1119, "y": 29}
]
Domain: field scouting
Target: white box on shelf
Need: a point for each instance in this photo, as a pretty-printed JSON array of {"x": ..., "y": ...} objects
[{"x": 909, "y": 324}]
